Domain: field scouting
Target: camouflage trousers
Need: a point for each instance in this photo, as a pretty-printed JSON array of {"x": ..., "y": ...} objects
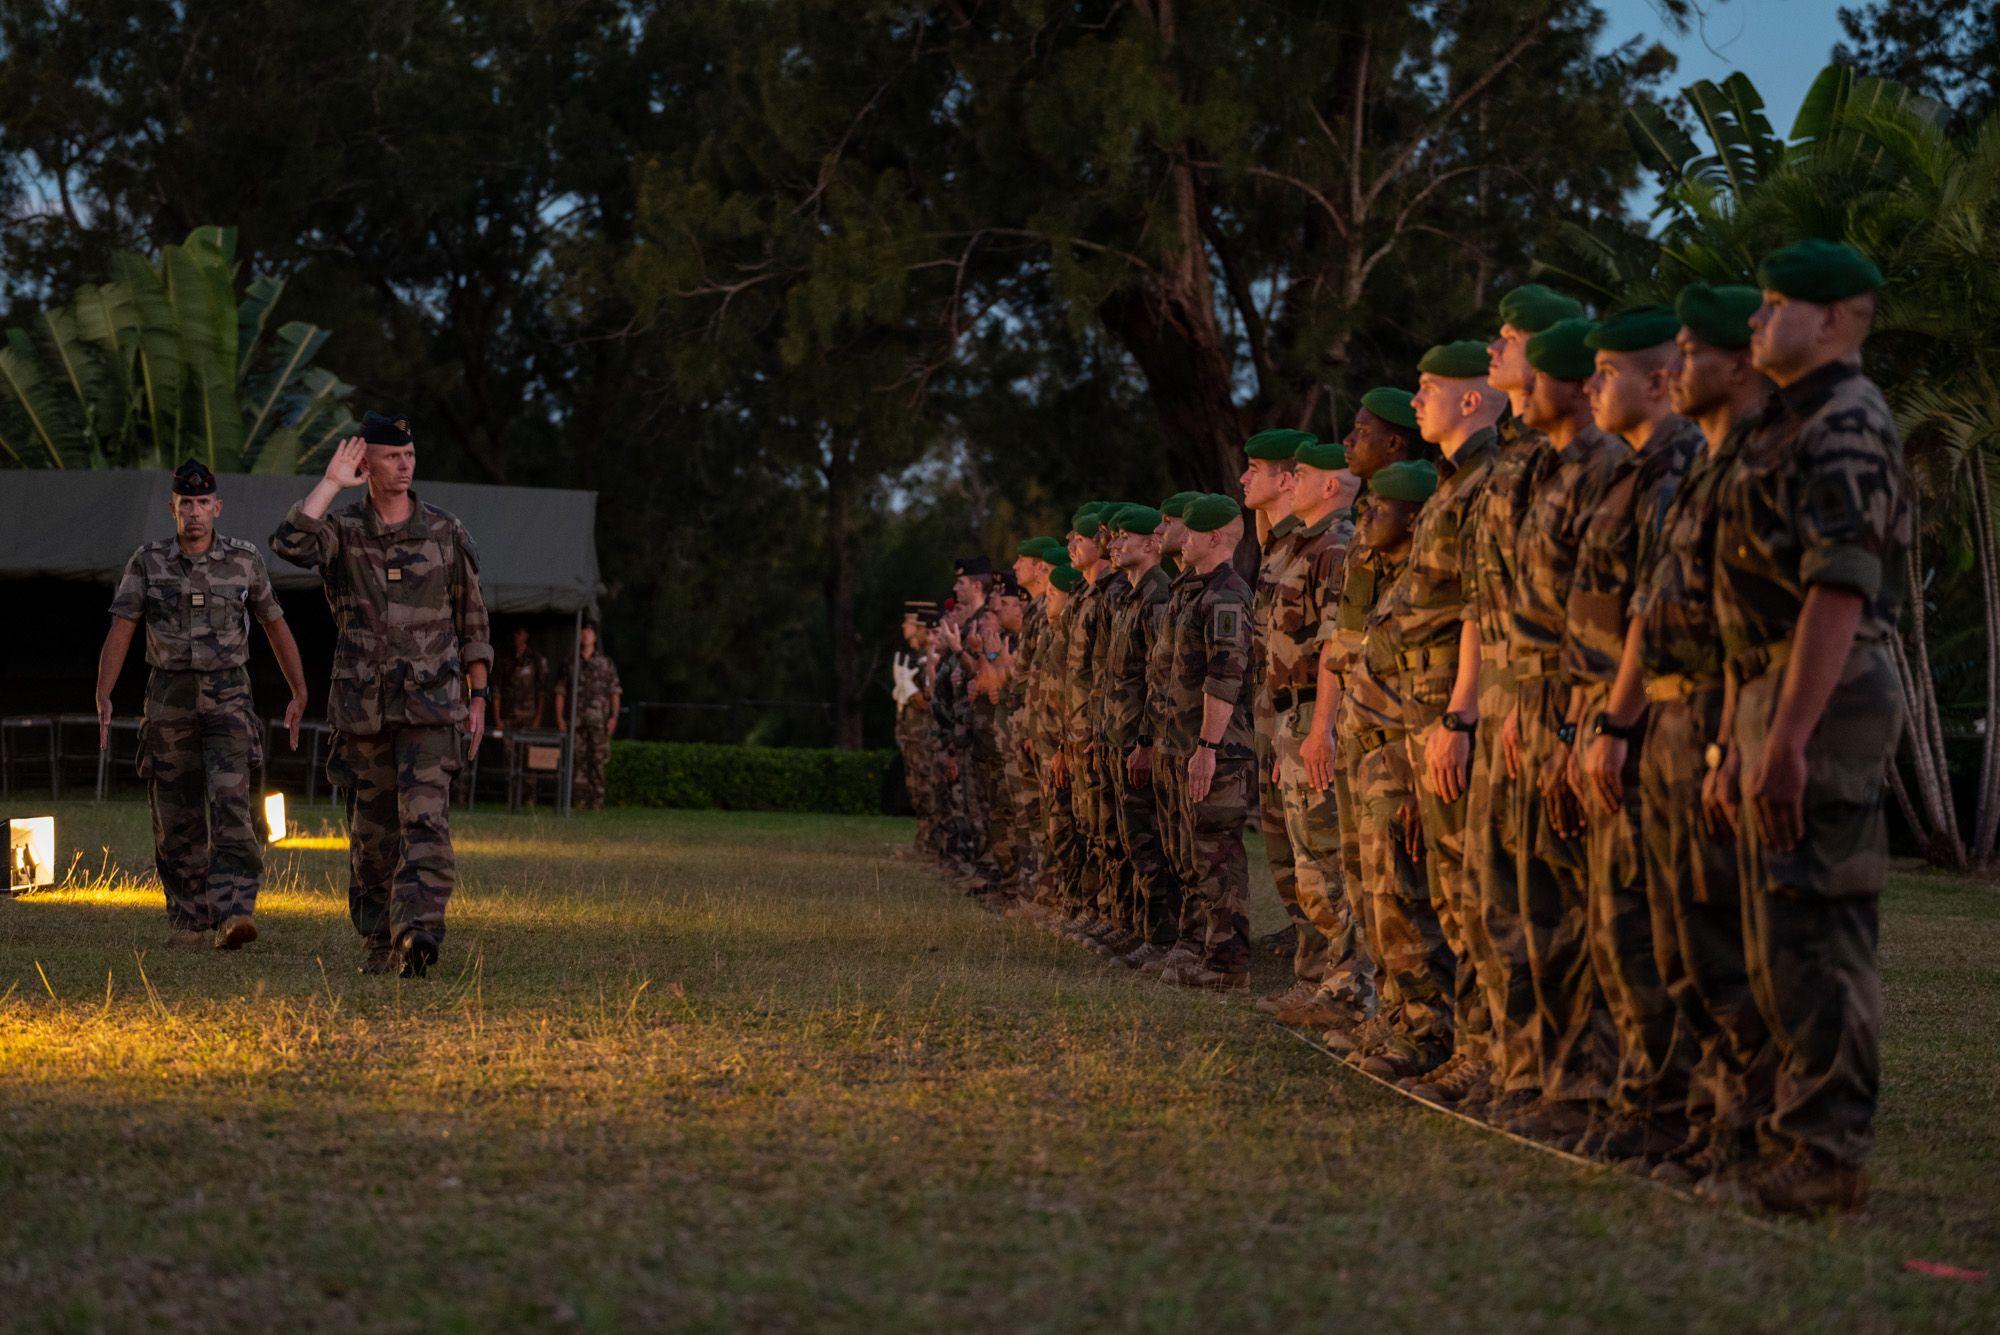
[
  {"x": 593, "y": 754},
  {"x": 1415, "y": 967},
  {"x": 1496, "y": 941},
  {"x": 1025, "y": 809},
  {"x": 1810, "y": 914},
  {"x": 1340, "y": 962},
  {"x": 1309, "y": 956},
  {"x": 1059, "y": 877},
  {"x": 1214, "y": 917},
  {"x": 1697, "y": 911},
  {"x": 1170, "y": 819},
  {"x": 1153, "y": 909},
  {"x": 996, "y": 834},
  {"x": 1573, "y": 1037},
  {"x": 1450, "y": 882},
  {"x": 1628, "y": 944},
  {"x": 1347, "y": 801},
  {"x": 400, "y": 864},
  {"x": 1107, "y": 874},
  {"x": 199, "y": 745},
  {"x": 911, "y": 721}
]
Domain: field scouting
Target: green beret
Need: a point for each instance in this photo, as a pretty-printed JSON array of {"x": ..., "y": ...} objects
[
  {"x": 1463, "y": 360},
  {"x": 1207, "y": 513},
  {"x": 1174, "y": 504},
  {"x": 1411, "y": 480},
  {"x": 1719, "y": 316},
  {"x": 1392, "y": 406},
  {"x": 1563, "y": 350},
  {"x": 1277, "y": 445},
  {"x": 1088, "y": 518},
  {"x": 1531, "y": 308},
  {"x": 1820, "y": 271},
  {"x": 1044, "y": 549},
  {"x": 1139, "y": 519},
  {"x": 1065, "y": 577},
  {"x": 1326, "y": 454},
  {"x": 1635, "y": 329}
]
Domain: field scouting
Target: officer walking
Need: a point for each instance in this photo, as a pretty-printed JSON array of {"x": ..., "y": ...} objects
[
  {"x": 201, "y": 738},
  {"x": 598, "y": 697},
  {"x": 409, "y": 671}
]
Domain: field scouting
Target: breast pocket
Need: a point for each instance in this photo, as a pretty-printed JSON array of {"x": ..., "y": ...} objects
[
  {"x": 225, "y": 609},
  {"x": 164, "y": 599}
]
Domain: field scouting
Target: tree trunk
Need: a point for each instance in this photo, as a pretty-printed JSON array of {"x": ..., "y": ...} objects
[
  {"x": 839, "y": 590},
  {"x": 1188, "y": 379},
  {"x": 1986, "y": 805},
  {"x": 1938, "y": 826}
]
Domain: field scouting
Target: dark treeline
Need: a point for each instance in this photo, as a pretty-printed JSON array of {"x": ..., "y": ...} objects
[{"x": 816, "y": 293}]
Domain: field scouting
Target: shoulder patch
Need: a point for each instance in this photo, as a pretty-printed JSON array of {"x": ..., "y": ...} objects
[{"x": 1227, "y": 622}]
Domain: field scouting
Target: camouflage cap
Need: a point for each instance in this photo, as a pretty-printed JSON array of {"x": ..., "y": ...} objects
[
  {"x": 1276, "y": 446},
  {"x": 1207, "y": 513},
  {"x": 1394, "y": 406},
  {"x": 1819, "y": 271},
  {"x": 1411, "y": 480},
  {"x": 1719, "y": 316},
  {"x": 1532, "y": 307},
  {"x": 1634, "y": 329},
  {"x": 1562, "y": 351}
]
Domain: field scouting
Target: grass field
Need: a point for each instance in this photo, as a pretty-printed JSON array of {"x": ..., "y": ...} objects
[{"x": 719, "y": 1071}]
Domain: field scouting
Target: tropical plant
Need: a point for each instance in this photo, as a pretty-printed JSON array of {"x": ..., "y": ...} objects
[
  {"x": 1871, "y": 162},
  {"x": 164, "y": 362}
]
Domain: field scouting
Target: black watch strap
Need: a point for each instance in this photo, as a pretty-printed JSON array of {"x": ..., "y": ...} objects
[
  {"x": 1207, "y": 745},
  {"x": 1629, "y": 732},
  {"x": 481, "y": 692}
]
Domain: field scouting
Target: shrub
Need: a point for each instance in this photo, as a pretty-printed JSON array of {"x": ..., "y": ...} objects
[{"x": 704, "y": 776}]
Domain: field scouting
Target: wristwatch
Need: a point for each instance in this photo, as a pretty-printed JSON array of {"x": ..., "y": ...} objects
[
  {"x": 1207, "y": 745},
  {"x": 1566, "y": 733},
  {"x": 1604, "y": 727},
  {"x": 1453, "y": 723},
  {"x": 1713, "y": 754},
  {"x": 480, "y": 692}
]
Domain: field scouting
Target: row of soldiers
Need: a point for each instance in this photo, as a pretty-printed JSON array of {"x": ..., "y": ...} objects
[{"x": 1564, "y": 696}]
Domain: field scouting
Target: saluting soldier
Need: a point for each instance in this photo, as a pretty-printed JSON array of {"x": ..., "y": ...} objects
[
  {"x": 521, "y": 686},
  {"x": 201, "y": 739},
  {"x": 598, "y": 697},
  {"x": 409, "y": 673}
]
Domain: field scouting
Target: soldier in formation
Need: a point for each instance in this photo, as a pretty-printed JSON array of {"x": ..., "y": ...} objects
[
  {"x": 200, "y": 742},
  {"x": 1564, "y": 691},
  {"x": 598, "y": 699}
]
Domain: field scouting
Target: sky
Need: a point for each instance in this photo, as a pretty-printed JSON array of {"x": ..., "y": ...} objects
[{"x": 1780, "y": 44}]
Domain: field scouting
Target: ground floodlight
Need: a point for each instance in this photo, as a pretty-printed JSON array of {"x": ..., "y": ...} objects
[
  {"x": 274, "y": 817},
  {"x": 31, "y": 852}
]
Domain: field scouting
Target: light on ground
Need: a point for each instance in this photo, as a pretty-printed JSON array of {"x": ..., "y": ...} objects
[
  {"x": 31, "y": 852},
  {"x": 274, "y": 817}
]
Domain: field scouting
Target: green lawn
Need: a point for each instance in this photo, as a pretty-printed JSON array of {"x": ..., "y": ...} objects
[{"x": 703, "y": 1071}]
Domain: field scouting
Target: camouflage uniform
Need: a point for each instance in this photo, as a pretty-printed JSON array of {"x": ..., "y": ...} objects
[
  {"x": 1418, "y": 620},
  {"x": 596, "y": 683},
  {"x": 1089, "y": 796},
  {"x": 524, "y": 683},
  {"x": 1690, "y": 869},
  {"x": 409, "y": 616},
  {"x": 1134, "y": 629},
  {"x": 1016, "y": 740},
  {"x": 1573, "y": 1039},
  {"x": 1627, "y": 932},
  {"x": 912, "y": 728},
  {"x": 1172, "y": 745},
  {"x": 1114, "y": 869},
  {"x": 1303, "y": 597},
  {"x": 1211, "y": 658},
  {"x": 1272, "y": 562},
  {"x": 1415, "y": 968},
  {"x": 201, "y": 740},
  {"x": 1060, "y": 876},
  {"x": 1496, "y": 942},
  {"x": 1820, "y": 497}
]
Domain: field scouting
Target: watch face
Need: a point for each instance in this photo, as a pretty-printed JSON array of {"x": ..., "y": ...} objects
[{"x": 1713, "y": 755}]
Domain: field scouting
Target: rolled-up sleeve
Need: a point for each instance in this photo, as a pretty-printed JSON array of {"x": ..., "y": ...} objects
[
  {"x": 129, "y": 602},
  {"x": 304, "y": 540},
  {"x": 263, "y": 601},
  {"x": 1227, "y": 641}
]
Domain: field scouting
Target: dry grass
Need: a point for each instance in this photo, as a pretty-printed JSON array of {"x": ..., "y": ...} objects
[{"x": 705, "y": 1071}]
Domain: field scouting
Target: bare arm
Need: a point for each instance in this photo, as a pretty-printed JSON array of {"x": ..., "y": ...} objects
[
  {"x": 279, "y": 633},
  {"x": 1820, "y": 644},
  {"x": 110, "y": 663}
]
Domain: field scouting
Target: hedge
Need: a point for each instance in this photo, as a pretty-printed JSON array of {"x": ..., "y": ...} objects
[{"x": 705, "y": 776}]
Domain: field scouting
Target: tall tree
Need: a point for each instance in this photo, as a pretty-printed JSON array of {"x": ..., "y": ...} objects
[{"x": 1943, "y": 49}]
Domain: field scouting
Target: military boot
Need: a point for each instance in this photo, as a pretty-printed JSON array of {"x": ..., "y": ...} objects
[
  {"x": 1398, "y": 1056},
  {"x": 381, "y": 959},
  {"x": 236, "y": 931},
  {"x": 1347, "y": 1039},
  {"x": 1181, "y": 954},
  {"x": 1810, "y": 1184},
  {"x": 1283, "y": 943},
  {"x": 416, "y": 950},
  {"x": 1322, "y": 1010},
  {"x": 1273, "y": 1002},
  {"x": 1207, "y": 979},
  {"x": 189, "y": 938},
  {"x": 1453, "y": 1082},
  {"x": 1560, "y": 1123}
]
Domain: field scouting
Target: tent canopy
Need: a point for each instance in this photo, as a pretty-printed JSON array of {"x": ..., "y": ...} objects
[{"x": 537, "y": 547}]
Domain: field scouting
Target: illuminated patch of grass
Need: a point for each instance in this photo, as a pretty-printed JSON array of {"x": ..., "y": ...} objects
[{"x": 704, "y": 1070}]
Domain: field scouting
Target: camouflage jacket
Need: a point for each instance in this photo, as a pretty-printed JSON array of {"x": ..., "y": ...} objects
[
  {"x": 1211, "y": 658},
  {"x": 1046, "y": 685},
  {"x": 1372, "y": 701},
  {"x": 1546, "y": 545},
  {"x": 1129, "y": 640},
  {"x": 596, "y": 683},
  {"x": 1620, "y": 538},
  {"x": 1165, "y": 726},
  {"x": 1082, "y": 649},
  {"x": 1363, "y": 578},
  {"x": 951, "y": 703},
  {"x": 1674, "y": 598},
  {"x": 1519, "y": 469},
  {"x": 1819, "y": 495},
  {"x": 1419, "y": 618},
  {"x": 1274, "y": 560},
  {"x": 196, "y": 609},
  {"x": 522, "y": 683},
  {"x": 1303, "y": 600},
  {"x": 1014, "y": 692},
  {"x": 406, "y": 606}
]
